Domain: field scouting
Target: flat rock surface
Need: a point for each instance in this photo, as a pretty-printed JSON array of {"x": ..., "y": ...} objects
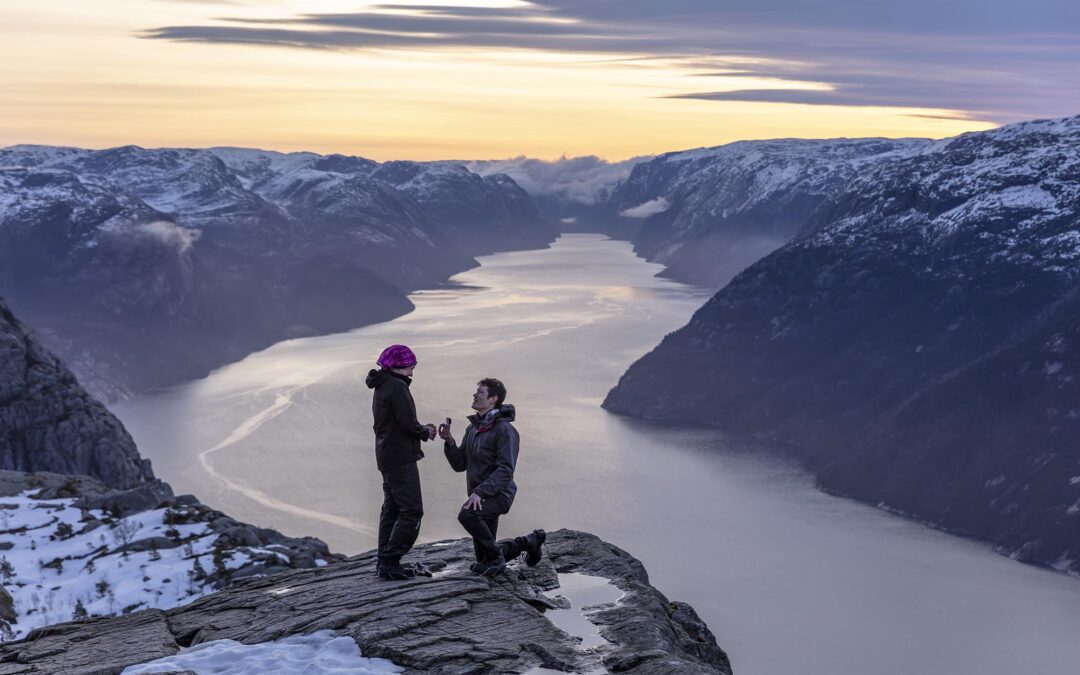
[{"x": 453, "y": 622}]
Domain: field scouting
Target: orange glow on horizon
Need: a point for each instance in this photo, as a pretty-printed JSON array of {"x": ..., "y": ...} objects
[{"x": 79, "y": 74}]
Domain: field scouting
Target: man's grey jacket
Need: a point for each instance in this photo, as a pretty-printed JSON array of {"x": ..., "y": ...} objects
[{"x": 488, "y": 454}]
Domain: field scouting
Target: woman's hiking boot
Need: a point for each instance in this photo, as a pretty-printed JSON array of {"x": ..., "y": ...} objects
[
  {"x": 489, "y": 568},
  {"x": 396, "y": 572}
]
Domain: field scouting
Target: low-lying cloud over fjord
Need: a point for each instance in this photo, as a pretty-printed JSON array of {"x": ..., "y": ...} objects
[
  {"x": 581, "y": 180},
  {"x": 647, "y": 209}
]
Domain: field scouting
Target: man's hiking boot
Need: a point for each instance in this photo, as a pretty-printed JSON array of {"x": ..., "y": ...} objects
[
  {"x": 396, "y": 572},
  {"x": 530, "y": 546}
]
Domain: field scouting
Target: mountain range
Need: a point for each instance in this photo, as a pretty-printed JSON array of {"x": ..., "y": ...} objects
[
  {"x": 916, "y": 343},
  {"x": 901, "y": 314},
  {"x": 145, "y": 268}
]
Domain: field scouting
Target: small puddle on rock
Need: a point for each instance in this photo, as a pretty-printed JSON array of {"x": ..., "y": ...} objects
[{"x": 583, "y": 591}]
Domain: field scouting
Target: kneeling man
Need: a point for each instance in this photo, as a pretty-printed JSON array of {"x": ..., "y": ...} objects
[{"x": 488, "y": 454}]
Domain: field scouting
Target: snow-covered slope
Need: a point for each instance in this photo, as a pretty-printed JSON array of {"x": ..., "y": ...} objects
[
  {"x": 102, "y": 553},
  {"x": 491, "y": 211},
  {"x": 710, "y": 212},
  {"x": 918, "y": 341},
  {"x": 63, "y": 557},
  {"x": 1010, "y": 194}
]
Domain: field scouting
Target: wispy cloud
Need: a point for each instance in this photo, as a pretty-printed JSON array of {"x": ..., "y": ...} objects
[
  {"x": 170, "y": 234},
  {"x": 990, "y": 58},
  {"x": 648, "y": 209}
]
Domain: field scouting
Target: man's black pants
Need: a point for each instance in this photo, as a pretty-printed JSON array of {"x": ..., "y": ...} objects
[
  {"x": 483, "y": 525},
  {"x": 402, "y": 509}
]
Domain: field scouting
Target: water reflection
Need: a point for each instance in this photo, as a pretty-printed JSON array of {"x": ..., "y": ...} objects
[{"x": 790, "y": 579}]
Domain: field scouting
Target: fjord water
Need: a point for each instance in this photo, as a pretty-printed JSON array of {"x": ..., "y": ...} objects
[{"x": 790, "y": 580}]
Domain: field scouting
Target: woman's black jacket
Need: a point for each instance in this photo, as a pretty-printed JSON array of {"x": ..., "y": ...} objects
[{"x": 397, "y": 431}]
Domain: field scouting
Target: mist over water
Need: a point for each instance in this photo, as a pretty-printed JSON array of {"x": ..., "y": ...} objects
[{"x": 790, "y": 580}]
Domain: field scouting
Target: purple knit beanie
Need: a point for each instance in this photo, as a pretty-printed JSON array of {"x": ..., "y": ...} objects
[{"x": 397, "y": 356}]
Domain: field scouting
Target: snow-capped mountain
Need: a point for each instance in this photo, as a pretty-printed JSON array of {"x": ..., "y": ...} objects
[
  {"x": 918, "y": 341},
  {"x": 124, "y": 258},
  {"x": 710, "y": 212},
  {"x": 193, "y": 184},
  {"x": 493, "y": 211}
]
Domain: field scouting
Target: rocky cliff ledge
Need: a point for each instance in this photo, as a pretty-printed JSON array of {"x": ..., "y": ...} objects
[
  {"x": 72, "y": 547},
  {"x": 453, "y": 622}
]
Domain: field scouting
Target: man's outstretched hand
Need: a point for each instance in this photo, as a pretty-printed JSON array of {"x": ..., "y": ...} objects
[
  {"x": 431, "y": 432},
  {"x": 473, "y": 503},
  {"x": 444, "y": 433}
]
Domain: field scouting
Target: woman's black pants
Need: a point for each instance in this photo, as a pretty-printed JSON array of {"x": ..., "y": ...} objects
[{"x": 402, "y": 509}]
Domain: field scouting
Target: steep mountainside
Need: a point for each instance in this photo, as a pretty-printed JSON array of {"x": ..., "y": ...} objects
[
  {"x": 85, "y": 528},
  {"x": 123, "y": 259},
  {"x": 709, "y": 213},
  {"x": 918, "y": 342},
  {"x": 49, "y": 423}
]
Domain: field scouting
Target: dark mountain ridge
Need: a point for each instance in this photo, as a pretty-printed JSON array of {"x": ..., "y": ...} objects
[
  {"x": 707, "y": 214},
  {"x": 916, "y": 343}
]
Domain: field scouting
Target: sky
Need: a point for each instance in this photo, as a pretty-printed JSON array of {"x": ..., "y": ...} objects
[{"x": 495, "y": 79}]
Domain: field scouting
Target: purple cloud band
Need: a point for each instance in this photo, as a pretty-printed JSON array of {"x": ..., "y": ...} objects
[{"x": 989, "y": 58}]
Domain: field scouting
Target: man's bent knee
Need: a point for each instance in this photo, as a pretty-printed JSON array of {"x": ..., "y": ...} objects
[{"x": 468, "y": 516}]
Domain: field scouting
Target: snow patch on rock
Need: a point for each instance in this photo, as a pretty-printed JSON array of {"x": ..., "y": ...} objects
[
  {"x": 316, "y": 653},
  {"x": 67, "y": 563}
]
